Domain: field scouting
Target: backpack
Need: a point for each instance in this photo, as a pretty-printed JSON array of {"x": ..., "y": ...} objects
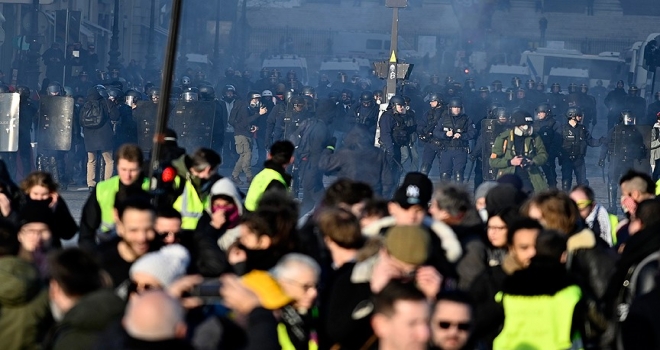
[
  {"x": 300, "y": 137},
  {"x": 92, "y": 115}
]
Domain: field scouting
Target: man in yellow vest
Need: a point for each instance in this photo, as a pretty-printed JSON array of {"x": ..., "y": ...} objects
[
  {"x": 98, "y": 213},
  {"x": 540, "y": 302},
  {"x": 195, "y": 176},
  {"x": 273, "y": 176}
]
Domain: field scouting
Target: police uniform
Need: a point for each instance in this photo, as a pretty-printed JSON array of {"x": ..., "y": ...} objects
[
  {"x": 573, "y": 150},
  {"x": 454, "y": 157}
]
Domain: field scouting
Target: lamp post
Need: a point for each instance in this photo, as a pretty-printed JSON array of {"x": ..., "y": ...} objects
[
  {"x": 114, "y": 54},
  {"x": 216, "y": 43},
  {"x": 150, "y": 58},
  {"x": 32, "y": 57}
]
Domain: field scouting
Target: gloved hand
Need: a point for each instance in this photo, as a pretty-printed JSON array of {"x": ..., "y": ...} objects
[
  {"x": 601, "y": 163},
  {"x": 331, "y": 142}
]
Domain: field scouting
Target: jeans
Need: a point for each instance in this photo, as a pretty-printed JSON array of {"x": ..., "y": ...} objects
[
  {"x": 91, "y": 167},
  {"x": 244, "y": 150}
]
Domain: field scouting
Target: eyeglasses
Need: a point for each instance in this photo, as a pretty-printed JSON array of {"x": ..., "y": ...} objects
[
  {"x": 134, "y": 287},
  {"x": 305, "y": 286},
  {"x": 165, "y": 234},
  {"x": 461, "y": 326}
]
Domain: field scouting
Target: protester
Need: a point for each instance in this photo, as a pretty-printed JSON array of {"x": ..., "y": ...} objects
[{"x": 451, "y": 321}]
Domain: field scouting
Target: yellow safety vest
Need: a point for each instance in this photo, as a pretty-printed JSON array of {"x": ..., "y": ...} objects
[
  {"x": 106, "y": 191},
  {"x": 538, "y": 322},
  {"x": 259, "y": 185},
  {"x": 614, "y": 222},
  {"x": 190, "y": 205},
  {"x": 285, "y": 341}
]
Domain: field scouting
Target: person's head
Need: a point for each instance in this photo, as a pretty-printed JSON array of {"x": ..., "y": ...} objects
[
  {"x": 129, "y": 160},
  {"x": 550, "y": 244},
  {"x": 168, "y": 225},
  {"x": 39, "y": 186},
  {"x": 372, "y": 211},
  {"x": 268, "y": 227},
  {"x": 159, "y": 269},
  {"x": 637, "y": 186},
  {"x": 204, "y": 162},
  {"x": 73, "y": 274},
  {"x": 451, "y": 320},
  {"x": 646, "y": 215},
  {"x": 225, "y": 196},
  {"x": 504, "y": 196},
  {"x": 554, "y": 210},
  {"x": 480, "y": 194},
  {"x": 347, "y": 194},
  {"x": 154, "y": 316},
  {"x": 497, "y": 227},
  {"x": 298, "y": 275},
  {"x": 585, "y": 199},
  {"x": 281, "y": 153},
  {"x": 405, "y": 249},
  {"x": 450, "y": 203},
  {"x": 521, "y": 237},
  {"x": 35, "y": 233},
  {"x": 340, "y": 229},
  {"x": 135, "y": 224},
  {"x": 401, "y": 315},
  {"x": 411, "y": 199}
]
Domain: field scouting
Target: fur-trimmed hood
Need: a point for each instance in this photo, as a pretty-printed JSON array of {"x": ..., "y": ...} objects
[{"x": 585, "y": 239}]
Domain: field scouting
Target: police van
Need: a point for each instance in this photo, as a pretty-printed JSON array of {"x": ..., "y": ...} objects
[
  {"x": 334, "y": 66},
  {"x": 286, "y": 63}
]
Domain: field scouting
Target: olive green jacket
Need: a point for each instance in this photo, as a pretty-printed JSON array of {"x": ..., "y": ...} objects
[{"x": 503, "y": 151}]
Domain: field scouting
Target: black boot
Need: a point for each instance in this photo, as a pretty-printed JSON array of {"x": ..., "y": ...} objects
[
  {"x": 458, "y": 177},
  {"x": 52, "y": 165},
  {"x": 445, "y": 177},
  {"x": 566, "y": 185},
  {"x": 40, "y": 163},
  {"x": 425, "y": 169}
]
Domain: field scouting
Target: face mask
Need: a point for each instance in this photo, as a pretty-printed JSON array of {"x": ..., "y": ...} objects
[
  {"x": 228, "y": 99},
  {"x": 231, "y": 214},
  {"x": 254, "y": 104},
  {"x": 483, "y": 214}
]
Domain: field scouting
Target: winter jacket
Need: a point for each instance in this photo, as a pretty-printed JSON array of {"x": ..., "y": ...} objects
[
  {"x": 83, "y": 323},
  {"x": 641, "y": 329},
  {"x": 349, "y": 161},
  {"x": 504, "y": 151},
  {"x": 24, "y": 312},
  {"x": 100, "y": 138},
  {"x": 242, "y": 117}
]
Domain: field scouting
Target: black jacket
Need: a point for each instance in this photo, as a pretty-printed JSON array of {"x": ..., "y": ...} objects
[
  {"x": 101, "y": 138},
  {"x": 242, "y": 117},
  {"x": 641, "y": 329}
]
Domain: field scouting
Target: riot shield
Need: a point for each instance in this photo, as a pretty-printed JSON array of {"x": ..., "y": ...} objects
[
  {"x": 55, "y": 123},
  {"x": 193, "y": 123},
  {"x": 145, "y": 117},
  {"x": 9, "y": 119},
  {"x": 490, "y": 128},
  {"x": 632, "y": 144}
]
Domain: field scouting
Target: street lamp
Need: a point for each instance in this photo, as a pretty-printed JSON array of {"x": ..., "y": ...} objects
[
  {"x": 114, "y": 54},
  {"x": 150, "y": 58}
]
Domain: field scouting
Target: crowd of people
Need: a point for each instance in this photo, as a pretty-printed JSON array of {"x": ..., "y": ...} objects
[{"x": 205, "y": 266}]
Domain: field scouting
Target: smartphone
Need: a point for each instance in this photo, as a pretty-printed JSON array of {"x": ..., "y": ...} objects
[{"x": 208, "y": 291}]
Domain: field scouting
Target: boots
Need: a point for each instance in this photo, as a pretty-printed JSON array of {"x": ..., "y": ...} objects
[
  {"x": 41, "y": 164},
  {"x": 425, "y": 169},
  {"x": 566, "y": 185},
  {"x": 52, "y": 165},
  {"x": 458, "y": 177},
  {"x": 445, "y": 177}
]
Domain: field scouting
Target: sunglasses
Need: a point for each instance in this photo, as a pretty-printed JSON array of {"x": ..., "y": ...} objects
[
  {"x": 461, "y": 326},
  {"x": 583, "y": 204},
  {"x": 133, "y": 287}
]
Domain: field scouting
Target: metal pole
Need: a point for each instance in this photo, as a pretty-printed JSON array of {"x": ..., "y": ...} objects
[
  {"x": 32, "y": 57},
  {"x": 165, "y": 87},
  {"x": 216, "y": 43},
  {"x": 114, "y": 54},
  {"x": 150, "y": 58},
  {"x": 392, "y": 73},
  {"x": 66, "y": 43}
]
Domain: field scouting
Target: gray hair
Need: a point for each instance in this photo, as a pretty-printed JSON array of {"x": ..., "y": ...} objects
[
  {"x": 153, "y": 316},
  {"x": 291, "y": 260},
  {"x": 453, "y": 198}
]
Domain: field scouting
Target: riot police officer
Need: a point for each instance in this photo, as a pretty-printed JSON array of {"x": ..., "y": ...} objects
[
  {"x": 455, "y": 132},
  {"x": 409, "y": 150},
  {"x": 52, "y": 160},
  {"x": 366, "y": 112},
  {"x": 287, "y": 123},
  {"x": 497, "y": 94},
  {"x": 635, "y": 103},
  {"x": 28, "y": 113},
  {"x": 394, "y": 133},
  {"x": 575, "y": 139},
  {"x": 522, "y": 102},
  {"x": 425, "y": 129},
  {"x": 626, "y": 149},
  {"x": 588, "y": 105},
  {"x": 207, "y": 93},
  {"x": 124, "y": 129},
  {"x": 433, "y": 86},
  {"x": 615, "y": 102},
  {"x": 550, "y": 131},
  {"x": 557, "y": 100},
  {"x": 496, "y": 122}
]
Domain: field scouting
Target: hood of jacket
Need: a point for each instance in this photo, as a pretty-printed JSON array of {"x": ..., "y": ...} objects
[
  {"x": 95, "y": 311},
  {"x": 225, "y": 187},
  {"x": 544, "y": 276},
  {"x": 20, "y": 281},
  {"x": 584, "y": 239}
]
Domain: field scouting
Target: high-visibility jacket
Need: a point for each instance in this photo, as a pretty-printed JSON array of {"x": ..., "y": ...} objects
[
  {"x": 259, "y": 185},
  {"x": 106, "y": 191},
  {"x": 190, "y": 205}
]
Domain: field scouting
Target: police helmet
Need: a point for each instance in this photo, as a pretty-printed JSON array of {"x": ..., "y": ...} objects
[
  {"x": 515, "y": 82},
  {"x": 584, "y": 88},
  {"x": 531, "y": 84},
  {"x": 501, "y": 114},
  {"x": 206, "y": 93},
  {"x": 289, "y": 94},
  {"x": 55, "y": 89},
  {"x": 298, "y": 100},
  {"x": 484, "y": 89},
  {"x": 397, "y": 100},
  {"x": 435, "y": 79},
  {"x": 455, "y": 102},
  {"x": 572, "y": 88},
  {"x": 449, "y": 79},
  {"x": 267, "y": 93},
  {"x": 132, "y": 97},
  {"x": 114, "y": 93},
  {"x": 24, "y": 91},
  {"x": 521, "y": 117},
  {"x": 573, "y": 112},
  {"x": 469, "y": 82},
  {"x": 228, "y": 88},
  {"x": 620, "y": 84},
  {"x": 544, "y": 107},
  {"x": 633, "y": 90},
  {"x": 102, "y": 91},
  {"x": 264, "y": 73},
  {"x": 491, "y": 109},
  {"x": 185, "y": 81},
  {"x": 627, "y": 118},
  {"x": 540, "y": 86},
  {"x": 253, "y": 94},
  {"x": 308, "y": 91},
  {"x": 190, "y": 95},
  {"x": 435, "y": 97},
  {"x": 378, "y": 93},
  {"x": 154, "y": 93},
  {"x": 366, "y": 96},
  {"x": 497, "y": 85}
]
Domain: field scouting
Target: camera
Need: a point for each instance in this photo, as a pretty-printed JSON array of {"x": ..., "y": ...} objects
[{"x": 208, "y": 291}]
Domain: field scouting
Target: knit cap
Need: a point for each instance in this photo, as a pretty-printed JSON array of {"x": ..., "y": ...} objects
[{"x": 166, "y": 265}]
